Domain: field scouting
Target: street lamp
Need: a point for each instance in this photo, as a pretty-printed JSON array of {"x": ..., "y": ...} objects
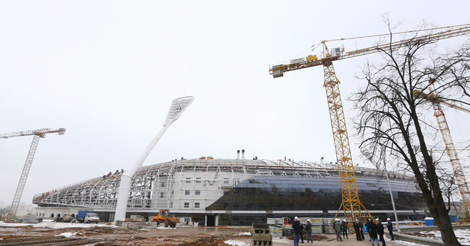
[{"x": 391, "y": 196}]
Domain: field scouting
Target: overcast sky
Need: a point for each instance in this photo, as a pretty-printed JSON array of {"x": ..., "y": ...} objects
[{"x": 107, "y": 71}]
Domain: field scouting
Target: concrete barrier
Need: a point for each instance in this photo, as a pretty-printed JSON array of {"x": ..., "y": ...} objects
[{"x": 260, "y": 235}]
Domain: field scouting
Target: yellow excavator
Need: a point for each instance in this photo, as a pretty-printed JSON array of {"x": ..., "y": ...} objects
[{"x": 164, "y": 216}]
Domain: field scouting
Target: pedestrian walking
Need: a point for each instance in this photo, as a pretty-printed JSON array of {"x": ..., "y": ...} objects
[
  {"x": 308, "y": 229},
  {"x": 380, "y": 231},
  {"x": 296, "y": 227},
  {"x": 356, "y": 229},
  {"x": 337, "y": 226},
  {"x": 372, "y": 230},
  {"x": 390, "y": 228},
  {"x": 344, "y": 228}
]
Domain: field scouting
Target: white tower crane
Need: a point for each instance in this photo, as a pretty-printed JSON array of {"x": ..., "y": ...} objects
[{"x": 39, "y": 133}]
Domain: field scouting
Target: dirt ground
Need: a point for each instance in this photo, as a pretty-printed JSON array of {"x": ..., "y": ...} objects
[{"x": 191, "y": 236}]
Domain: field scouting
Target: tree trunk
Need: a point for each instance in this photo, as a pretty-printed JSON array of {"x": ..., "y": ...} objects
[
  {"x": 447, "y": 232},
  {"x": 440, "y": 214}
]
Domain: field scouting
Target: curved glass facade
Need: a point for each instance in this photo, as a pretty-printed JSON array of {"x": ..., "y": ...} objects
[{"x": 272, "y": 193}]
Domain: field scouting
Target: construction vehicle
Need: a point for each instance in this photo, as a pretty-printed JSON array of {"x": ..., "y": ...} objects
[
  {"x": 8, "y": 217},
  {"x": 459, "y": 175},
  {"x": 87, "y": 216},
  {"x": 39, "y": 133},
  {"x": 352, "y": 207},
  {"x": 164, "y": 216},
  {"x": 68, "y": 218}
]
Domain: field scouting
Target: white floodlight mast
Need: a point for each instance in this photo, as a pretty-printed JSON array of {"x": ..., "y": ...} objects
[{"x": 177, "y": 108}]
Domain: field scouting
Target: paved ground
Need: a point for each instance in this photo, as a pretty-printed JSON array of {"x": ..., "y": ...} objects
[{"x": 329, "y": 240}]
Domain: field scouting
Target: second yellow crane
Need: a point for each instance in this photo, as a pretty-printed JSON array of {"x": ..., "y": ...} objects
[
  {"x": 459, "y": 175},
  {"x": 351, "y": 204}
]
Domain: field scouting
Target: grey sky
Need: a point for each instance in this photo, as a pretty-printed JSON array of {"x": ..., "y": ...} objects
[{"x": 108, "y": 71}]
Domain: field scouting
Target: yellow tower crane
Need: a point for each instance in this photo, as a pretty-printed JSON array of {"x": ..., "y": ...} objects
[
  {"x": 351, "y": 204},
  {"x": 459, "y": 175}
]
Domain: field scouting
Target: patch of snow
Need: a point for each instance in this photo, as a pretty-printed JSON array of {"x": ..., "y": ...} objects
[
  {"x": 243, "y": 234},
  {"x": 399, "y": 242},
  {"x": 58, "y": 225},
  {"x": 281, "y": 240},
  {"x": 67, "y": 234},
  {"x": 54, "y": 225},
  {"x": 235, "y": 243},
  {"x": 166, "y": 228},
  {"x": 3, "y": 224},
  {"x": 463, "y": 235}
]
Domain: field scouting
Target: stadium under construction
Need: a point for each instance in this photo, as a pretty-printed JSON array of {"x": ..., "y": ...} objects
[{"x": 235, "y": 192}]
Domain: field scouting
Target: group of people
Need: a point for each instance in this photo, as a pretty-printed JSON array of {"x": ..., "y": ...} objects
[
  {"x": 299, "y": 231},
  {"x": 374, "y": 228},
  {"x": 341, "y": 228}
]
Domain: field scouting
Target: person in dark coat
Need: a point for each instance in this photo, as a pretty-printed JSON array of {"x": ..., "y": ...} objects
[
  {"x": 301, "y": 232},
  {"x": 344, "y": 228},
  {"x": 380, "y": 231},
  {"x": 296, "y": 227},
  {"x": 308, "y": 229},
  {"x": 356, "y": 229},
  {"x": 361, "y": 229},
  {"x": 372, "y": 230},
  {"x": 390, "y": 228}
]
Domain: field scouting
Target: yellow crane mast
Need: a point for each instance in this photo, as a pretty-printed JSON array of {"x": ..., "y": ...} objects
[
  {"x": 351, "y": 204},
  {"x": 459, "y": 175}
]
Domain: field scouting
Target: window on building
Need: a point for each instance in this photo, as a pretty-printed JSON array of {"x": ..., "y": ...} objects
[
  {"x": 226, "y": 181},
  {"x": 198, "y": 180},
  {"x": 198, "y": 192},
  {"x": 186, "y": 205},
  {"x": 188, "y": 180},
  {"x": 171, "y": 204},
  {"x": 197, "y": 205},
  {"x": 162, "y": 194},
  {"x": 163, "y": 184},
  {"x": 187, "y": 192},
  {"x": 225, "y": 192}
]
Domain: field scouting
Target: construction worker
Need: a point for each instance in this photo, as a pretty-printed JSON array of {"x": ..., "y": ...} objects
[
  {"x": 344, "y": 228},
  {"x": 380, "y": 231},
  {"x": 296, "y": 227},
  {"x": 338, "y": 229},
  {"x": 390, "y": 228}
]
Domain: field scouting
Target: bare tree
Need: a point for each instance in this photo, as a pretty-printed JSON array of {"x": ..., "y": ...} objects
[{"x": 392, "y": 120}]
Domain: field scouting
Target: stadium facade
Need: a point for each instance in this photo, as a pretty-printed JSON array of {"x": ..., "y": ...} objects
[{"x": 235, "y": 192}]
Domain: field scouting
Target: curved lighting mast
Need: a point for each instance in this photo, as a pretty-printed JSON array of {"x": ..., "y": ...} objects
[
  {"x": 39, "y": 133},
  {"x": 177, "y": 108},
  {"x": 459, "y": 175},
  {"x": 350, "y": 200}
]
